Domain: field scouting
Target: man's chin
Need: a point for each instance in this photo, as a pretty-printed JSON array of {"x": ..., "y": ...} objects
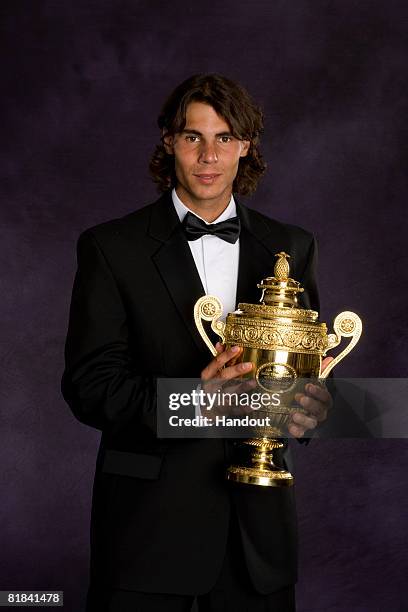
[{"x": 209, "y": 193}]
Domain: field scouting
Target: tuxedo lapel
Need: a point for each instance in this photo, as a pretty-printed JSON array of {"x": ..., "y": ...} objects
[
  {"x": 258, "y": 245},
  {"x": 175, "y": 263}
]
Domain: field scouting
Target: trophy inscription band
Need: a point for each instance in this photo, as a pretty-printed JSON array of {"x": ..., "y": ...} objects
[{"x": 284, "y": 342}]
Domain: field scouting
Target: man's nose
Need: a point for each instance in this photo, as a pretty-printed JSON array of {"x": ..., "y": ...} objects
[{"x": 208, "y": 153}]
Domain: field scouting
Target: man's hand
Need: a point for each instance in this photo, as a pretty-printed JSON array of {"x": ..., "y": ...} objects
[
  {"x": 317, "y": 401},
  {"x": 217, "y": 367},
  {"x": 224, "y": 368}
]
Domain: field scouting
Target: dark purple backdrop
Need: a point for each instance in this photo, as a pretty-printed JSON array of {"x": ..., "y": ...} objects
[{"x": 82, "y": 83}]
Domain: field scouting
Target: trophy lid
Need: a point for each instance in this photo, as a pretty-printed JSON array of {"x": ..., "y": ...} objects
[
  {"x": 280, "y": 290},
  {"x": 279, "y": 297}
]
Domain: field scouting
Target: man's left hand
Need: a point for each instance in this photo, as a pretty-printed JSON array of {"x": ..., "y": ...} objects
[{"x": 317, "y": 401}]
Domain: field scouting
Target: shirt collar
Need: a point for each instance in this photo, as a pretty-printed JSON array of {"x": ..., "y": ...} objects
[{"x": 182, "y": 210}]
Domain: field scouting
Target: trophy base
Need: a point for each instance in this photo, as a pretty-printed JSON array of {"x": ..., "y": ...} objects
[
  {"x": 263, "y": 478},
  {"x": 260, "y": 469}
]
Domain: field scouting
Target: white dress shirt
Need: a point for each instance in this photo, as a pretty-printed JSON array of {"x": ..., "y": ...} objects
[{"x": 216, "y": 260}]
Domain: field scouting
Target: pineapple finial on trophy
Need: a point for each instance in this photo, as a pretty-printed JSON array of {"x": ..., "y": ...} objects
[
  {"x": 280, "y": 290},
  {"x": 281, "y": 269}
]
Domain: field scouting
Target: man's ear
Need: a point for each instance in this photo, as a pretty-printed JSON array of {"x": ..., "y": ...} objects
[
  {"x": 245, "y": 144},
  {"x": 168, "y": 142}
]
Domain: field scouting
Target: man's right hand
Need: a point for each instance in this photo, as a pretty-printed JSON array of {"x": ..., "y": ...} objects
[
  {"x": 224, "y": 368},
  {"x": 217, "y": 368}
]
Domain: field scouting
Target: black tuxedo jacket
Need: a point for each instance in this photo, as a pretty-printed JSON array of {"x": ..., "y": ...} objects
[{"x": 161, "y": 507}]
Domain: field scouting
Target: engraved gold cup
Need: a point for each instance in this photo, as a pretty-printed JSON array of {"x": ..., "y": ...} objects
[{"x": 285, "y": 344}]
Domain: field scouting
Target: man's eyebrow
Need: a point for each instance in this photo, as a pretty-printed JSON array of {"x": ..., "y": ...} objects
[
  {"x": 187, "y": 131},
  {"x": 198, "y": 133}
]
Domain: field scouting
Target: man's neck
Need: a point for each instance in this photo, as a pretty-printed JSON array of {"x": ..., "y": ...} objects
[{"x": 209, "y": 210}]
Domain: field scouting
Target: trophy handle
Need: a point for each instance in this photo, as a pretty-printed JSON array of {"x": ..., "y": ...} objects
[
  {"x": 209, "y": 308},
  {"x": 347, "y": 324}
]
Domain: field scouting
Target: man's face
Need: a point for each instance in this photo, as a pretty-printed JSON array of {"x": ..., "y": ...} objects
[{"x": 206, "y": 159}]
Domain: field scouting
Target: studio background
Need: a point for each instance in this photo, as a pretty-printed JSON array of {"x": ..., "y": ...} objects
[{"x": 82, "y": 84}]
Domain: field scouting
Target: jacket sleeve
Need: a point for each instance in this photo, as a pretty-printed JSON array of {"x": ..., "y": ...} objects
[
  {"x": 101, "y": 383},
  {"x": 310, "y": 297}
]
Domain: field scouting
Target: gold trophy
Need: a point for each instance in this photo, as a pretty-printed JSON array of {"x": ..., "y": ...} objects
[{"x": 286, "y": 344}]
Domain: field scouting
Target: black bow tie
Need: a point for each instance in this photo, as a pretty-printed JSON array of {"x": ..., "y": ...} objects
[{"x": 227, "y": 230}]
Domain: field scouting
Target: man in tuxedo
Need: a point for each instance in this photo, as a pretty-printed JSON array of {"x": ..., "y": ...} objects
[{"x": 166, "y": 527}]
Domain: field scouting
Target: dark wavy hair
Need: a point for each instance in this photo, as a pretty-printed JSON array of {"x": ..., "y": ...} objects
[{"x": 233, "y": 103}]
